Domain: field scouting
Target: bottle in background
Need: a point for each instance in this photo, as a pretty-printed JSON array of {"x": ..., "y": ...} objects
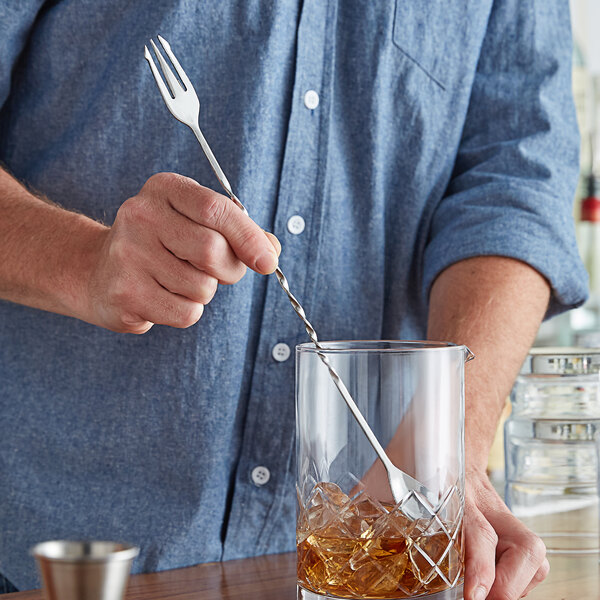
[{"x": 585, "y": 321}]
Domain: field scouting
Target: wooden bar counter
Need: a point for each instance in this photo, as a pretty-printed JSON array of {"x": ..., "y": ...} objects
[{"x": 274, "y": 578}]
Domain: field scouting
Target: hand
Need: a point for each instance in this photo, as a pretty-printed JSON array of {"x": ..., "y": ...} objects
[
  {"x": 504, "y": 559},
  {"x": 169, "y": 247}
]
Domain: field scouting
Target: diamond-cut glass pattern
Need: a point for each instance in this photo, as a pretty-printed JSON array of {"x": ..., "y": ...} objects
[{"x": 352, "y": 546}]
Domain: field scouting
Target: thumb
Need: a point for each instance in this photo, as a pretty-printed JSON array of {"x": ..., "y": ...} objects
[{"x": 274, "y": 241}]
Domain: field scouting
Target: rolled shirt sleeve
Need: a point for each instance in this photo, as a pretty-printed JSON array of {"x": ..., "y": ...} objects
[{"x": 512, "y": 189}]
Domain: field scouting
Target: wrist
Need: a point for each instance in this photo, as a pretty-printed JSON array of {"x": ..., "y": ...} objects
[
  {"x": 81, "y": 254},
  {"x": 475, "y": 472},
  {"x": 476, "y": 456}
]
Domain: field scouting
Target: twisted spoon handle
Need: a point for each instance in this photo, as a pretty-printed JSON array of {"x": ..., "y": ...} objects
[{"x": 312, "y": 334}]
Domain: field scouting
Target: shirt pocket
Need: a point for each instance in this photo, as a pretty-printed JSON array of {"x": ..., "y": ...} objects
[{"x": 436, "y": 34}]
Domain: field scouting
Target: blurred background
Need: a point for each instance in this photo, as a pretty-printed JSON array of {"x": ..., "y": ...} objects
[{"x": 580, "y": 327}]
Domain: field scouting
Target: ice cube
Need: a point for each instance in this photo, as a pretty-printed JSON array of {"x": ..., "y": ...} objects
[
  {"x": 326, "y": 504},
  {"x": 368, "y": 508},
  {"x": 302, "y": 525},
  {"x": 394, "y": 524},
  {"x": 437, "y": 560},
  {"x": 329, "y": 493}
]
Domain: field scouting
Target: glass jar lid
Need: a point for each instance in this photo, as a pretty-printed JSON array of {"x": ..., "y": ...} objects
[{"x": 562, "y": 361}]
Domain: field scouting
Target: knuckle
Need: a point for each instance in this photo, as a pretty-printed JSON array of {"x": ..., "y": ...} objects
[
  {"x": 168, "y": 185},
  {"x": 542, "y": 572},
  {"x": 213, "y": 250},
  {"x": 162, "y": 180},
  {"x": 486, "y": 531},
  {"x": 134, "y": 211},
  {"x": 179, "y": 184},
  {"x": 178, "y": 238},
  {"x": 251, "y": 238},
  {"x": 533, "y": 548},
  {"x": 214, "y": 210}
]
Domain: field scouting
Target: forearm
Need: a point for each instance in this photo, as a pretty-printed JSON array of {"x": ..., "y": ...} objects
[
  {"x": 46, "y": 251},
  {"x": 494, "y": 305},
  {"x": 160, "y": 261}
]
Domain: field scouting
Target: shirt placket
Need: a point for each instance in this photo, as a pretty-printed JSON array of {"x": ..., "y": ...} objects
[{"x": 264, "y": 477}]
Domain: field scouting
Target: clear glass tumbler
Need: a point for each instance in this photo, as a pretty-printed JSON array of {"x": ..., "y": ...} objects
[{"x": 353, "y": 541}]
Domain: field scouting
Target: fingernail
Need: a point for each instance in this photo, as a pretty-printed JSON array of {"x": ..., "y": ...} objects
[
  {"x": 267, "y": 262},
  {"x": 480, "y": 593}
]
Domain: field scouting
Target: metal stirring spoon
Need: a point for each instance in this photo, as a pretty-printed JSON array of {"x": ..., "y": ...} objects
[{"x": 184, "y": 105}]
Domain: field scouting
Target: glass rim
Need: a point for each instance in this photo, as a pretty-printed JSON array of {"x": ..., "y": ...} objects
[
  {"x": 558, "y": 351},
  {"x": 378, "y": 346},
  {"x": 74, "y": 551}
]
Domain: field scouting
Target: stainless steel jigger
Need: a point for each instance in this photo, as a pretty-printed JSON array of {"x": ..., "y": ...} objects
[
  {"x": 84, "y": 570},
  {"x": 184, "y": 105}
]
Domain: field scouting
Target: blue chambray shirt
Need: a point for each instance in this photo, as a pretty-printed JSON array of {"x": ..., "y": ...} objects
[{"x": 443, "y": 130}]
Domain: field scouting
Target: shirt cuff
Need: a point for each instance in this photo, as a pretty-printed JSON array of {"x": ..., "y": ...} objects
[{"x": 515, "y": 236}]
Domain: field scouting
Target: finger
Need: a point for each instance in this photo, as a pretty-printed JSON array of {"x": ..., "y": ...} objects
[
  {"x": 204, "y": 248},
  {"x": 274, "y": 241},
  {"x": 158, "y": 305},
  {"x": 520, "y": 555},
  {"x": 180, "y": 277},
  {"x": 130, "y": 323},
  {"x": 540, "y": 575},
  {"x": 480, "y": 554},
  {"x": 218, "y": 212}
]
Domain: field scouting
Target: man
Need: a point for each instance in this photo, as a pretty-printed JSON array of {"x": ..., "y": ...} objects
[{"x": 417, "y": 163}]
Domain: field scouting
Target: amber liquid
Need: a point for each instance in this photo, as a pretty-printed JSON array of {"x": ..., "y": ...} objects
[{"x": 368, "y": 553}]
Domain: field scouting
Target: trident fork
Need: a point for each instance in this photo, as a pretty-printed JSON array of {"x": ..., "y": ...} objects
[{"x": 183, "y": 103}]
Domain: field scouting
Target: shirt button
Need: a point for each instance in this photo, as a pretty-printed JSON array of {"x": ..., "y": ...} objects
[
  {"x": 296, "y": 224},
  {"x": 281, "y": 352},
  {"x": 260, "y": 475},
  {"x": 311, "y": 99}
]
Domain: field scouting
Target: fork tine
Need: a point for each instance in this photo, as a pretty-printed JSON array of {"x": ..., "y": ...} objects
[
  {"x": 164, "y": 92},
  {"x": 171, "y": 79},
  {"x": 182, "y": 75}
]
